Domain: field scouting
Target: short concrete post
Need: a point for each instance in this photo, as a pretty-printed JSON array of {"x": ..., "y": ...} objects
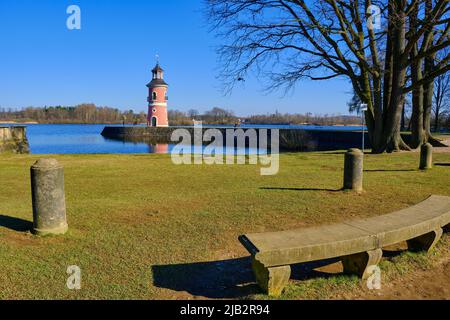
[
  {"x": 49, "y": 204},
  {"x": 426, "y": 156},
  {"x": 353, "y": 170}
]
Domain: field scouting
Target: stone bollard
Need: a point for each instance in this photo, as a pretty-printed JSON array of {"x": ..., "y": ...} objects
[
  {"x": 426, "y": 156},
  {"x": 49, "y": 204},
  {"x": 353, "y": 170}
]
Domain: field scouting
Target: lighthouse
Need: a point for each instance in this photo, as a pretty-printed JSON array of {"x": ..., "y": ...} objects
[{"x": 157, "y": 99}]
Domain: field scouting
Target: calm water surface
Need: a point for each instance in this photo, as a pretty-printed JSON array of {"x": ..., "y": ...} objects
[
  {"x": 87, "y": 139},
  {"x": 77, "y": 139}
]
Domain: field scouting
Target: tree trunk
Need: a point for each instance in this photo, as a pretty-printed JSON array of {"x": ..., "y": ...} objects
[
  {"x": 393, "y": 113},
  {"x": 428, "y": 106},
  {"x": 417, "y": 117},
  {"x": 437, "y": 112},
  {"x": 428, "y": 92},
  {"x": 403, "y": 121}
]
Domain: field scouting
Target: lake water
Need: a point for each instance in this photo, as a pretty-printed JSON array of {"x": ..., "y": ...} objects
[{"x": 87, "y": 139}]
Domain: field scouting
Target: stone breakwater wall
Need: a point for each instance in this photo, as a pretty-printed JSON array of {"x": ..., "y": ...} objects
[
  {"x": 290, "y": 139},
  {"x": 14, "y": 139}
]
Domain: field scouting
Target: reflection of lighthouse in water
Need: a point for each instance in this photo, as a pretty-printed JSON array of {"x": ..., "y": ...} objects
[
  {"x": 157, "y": 99},
  {"x": 160, "y": 148}
]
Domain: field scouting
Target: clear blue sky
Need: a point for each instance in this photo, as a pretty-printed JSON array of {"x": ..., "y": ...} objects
[{"x": 108, "y": 61}]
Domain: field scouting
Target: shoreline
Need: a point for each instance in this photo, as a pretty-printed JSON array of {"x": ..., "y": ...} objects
[
  {"x": 19, "y": 123},
  {"x": 205, "y": 124}
]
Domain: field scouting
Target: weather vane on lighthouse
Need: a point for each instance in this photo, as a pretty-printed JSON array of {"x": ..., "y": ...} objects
[{"x": 157, "y": 98}]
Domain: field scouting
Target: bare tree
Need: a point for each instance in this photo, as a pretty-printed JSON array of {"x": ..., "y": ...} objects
[
  {"x": 192, "y": 113},
  {"x": 354, "y": 105},
  {"x": 441, "y": 103},
  {"x": 285, "y": 41},
  {"x": 218, "y": 115},
  {"x": 424, "y": 66}
]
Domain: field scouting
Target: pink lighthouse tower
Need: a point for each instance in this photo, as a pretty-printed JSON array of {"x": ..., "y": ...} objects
[{"x": 157, "y": 99}]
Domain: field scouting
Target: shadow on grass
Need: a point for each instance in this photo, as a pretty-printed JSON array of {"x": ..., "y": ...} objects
[
  {"x": 392, "y": 253},
  {"x": 226, "y": 279},
  {"x": 442, "y": 164},
  {"x": 301, "y": 189},
  {"x": 15, "y": 224},
  {"x": 217, "y": 279},
  {"x": 334, "y": 152},
  {"x": 344, "y": 152},
  {"x": 390, "y": 170}
]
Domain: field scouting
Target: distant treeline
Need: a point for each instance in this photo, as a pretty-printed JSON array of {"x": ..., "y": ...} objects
[
  {"x": 90, "y": 113},
  {"x": 83, "y": 113},
  {"x": 222, "y": 116},
  {"x": 308, "y": 118},
  {"x": 213, "y": 116}
]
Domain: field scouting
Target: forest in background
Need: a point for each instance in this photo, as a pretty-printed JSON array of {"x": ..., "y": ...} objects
[{"x": 89, "y": 113}]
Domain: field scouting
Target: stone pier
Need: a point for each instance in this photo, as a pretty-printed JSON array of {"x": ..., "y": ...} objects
[
  {"x": 13, "y": 139},
  {"x": 290, "y": 139}
]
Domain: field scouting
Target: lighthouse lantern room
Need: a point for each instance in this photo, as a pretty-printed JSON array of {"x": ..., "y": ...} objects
[{"x": 157, "y": 99}]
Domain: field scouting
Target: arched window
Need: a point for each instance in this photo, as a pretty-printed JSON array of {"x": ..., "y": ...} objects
[{"x": 154, "y": 95}]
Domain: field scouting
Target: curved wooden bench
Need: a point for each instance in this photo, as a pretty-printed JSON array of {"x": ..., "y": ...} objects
[{"x": 358, "y": 242}]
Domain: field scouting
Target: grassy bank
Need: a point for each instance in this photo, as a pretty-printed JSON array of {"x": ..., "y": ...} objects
[{"x": 141, "y": 227}]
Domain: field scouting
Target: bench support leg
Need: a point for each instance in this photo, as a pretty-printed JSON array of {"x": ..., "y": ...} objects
[
  {"x": 271, "y": 280},
  {"x": 359, "y": 263},
  {"x": 425, "y": 242}
]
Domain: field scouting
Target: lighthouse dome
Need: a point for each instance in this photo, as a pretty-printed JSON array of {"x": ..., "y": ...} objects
[
  {"x": 158, "y": 77},
  {"x": 157, "y": 83},
  {"x": 157, "y": 69}
]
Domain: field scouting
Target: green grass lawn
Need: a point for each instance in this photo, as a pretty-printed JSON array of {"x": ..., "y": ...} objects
[{"x": 143, "y": 228}]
